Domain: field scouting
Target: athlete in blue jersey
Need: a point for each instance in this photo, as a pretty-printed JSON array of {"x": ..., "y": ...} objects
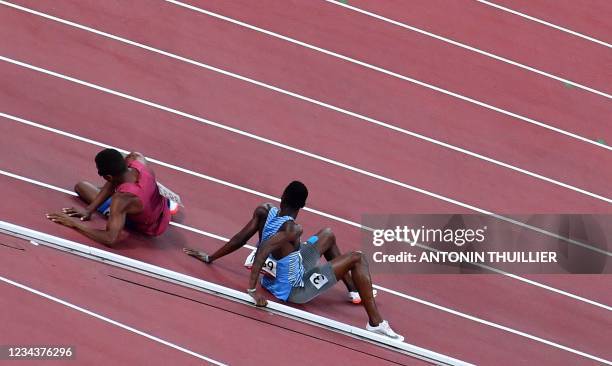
[{"x": 293, "y": 271}]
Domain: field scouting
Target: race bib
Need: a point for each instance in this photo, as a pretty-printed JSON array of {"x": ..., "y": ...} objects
[
  {"x": 318, "y": 280},
  {"x": 166, "y": 192},
  {"x": 269, "y": 267}
]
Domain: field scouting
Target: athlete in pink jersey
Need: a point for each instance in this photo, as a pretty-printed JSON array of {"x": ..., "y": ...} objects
[{"x": 129, "y": 198}]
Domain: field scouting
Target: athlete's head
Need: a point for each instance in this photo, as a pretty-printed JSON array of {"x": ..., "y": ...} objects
[
  {"x": 295, "y": 195},
  {"x": 110, "y": 164}
]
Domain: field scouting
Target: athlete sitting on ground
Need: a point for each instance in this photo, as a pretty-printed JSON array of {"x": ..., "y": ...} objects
[
  {"x": 292, "y": 269},
  {"x": 130, "y": 197}
]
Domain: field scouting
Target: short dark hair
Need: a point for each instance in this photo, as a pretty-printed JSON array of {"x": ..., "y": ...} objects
[
  {"x": 295, "y": 195},
  {"x": 110, "y": 162}
]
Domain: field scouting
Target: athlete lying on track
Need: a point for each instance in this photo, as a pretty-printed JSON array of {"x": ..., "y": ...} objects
[
  {"x": 129, "y": 198},
  {"x": 292, "y": 269}
]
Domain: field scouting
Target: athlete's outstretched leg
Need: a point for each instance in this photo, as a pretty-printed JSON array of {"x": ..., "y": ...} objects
[{"x": 326, "y": 246}]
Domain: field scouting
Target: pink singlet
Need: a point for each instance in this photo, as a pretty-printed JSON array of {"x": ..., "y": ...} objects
[{"x": 155, "y": 216}]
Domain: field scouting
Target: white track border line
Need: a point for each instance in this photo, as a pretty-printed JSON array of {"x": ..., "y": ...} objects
[
  {"x": 393, "y": 74},
  {"x": 110, "y": 321},
  {"x": 133, "y": 264},
  {"x": 388, "y": 290},
  {"x": 537, "y": 20},
  {"x": 199, "y": 289},
  {"x": 526, "y": 119},
  {"x": 467, "y": 47},
  {"x": 316, "y": 102},
  {"x": 303, "y": 152}
]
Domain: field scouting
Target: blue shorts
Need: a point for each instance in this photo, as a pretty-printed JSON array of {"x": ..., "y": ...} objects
[
  {"x": 312, "y": 240},
  {"x": 104, "y": 208}
]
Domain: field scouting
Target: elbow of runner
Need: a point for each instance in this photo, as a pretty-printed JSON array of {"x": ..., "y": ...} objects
[
  {"x": 295, "y": 234},
  {"x": 260, "y": 259},
  {"x": 110, "y": 240}
]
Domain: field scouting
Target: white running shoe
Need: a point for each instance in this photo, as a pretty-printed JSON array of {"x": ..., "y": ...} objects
[
  {"x": 356, "y": 299},
  {"x": 174, "y": 207},
  {"x": 384, "y": 329}
]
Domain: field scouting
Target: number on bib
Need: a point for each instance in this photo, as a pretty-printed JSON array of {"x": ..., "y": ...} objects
[
  {"x": 269, "y": 267},
  {"x": 166, "y": 192},
  {"x": 318, "y": 280}
]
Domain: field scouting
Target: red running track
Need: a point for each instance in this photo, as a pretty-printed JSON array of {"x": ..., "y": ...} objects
[
  {"x": 199, "y": 322},
  {"x": 194, "y": 189},
  {"x": 441, "y": 64},
  {"x": 513, "y": 37},
  {"x": 587, "y": 17},
  {"x": 520, "y": 315},
  {"x": 79, "y": 115},
  {"x": 68, "y": 116},
  {"x": 391, "y": 100},
  {"x": 422, "y": 164}
]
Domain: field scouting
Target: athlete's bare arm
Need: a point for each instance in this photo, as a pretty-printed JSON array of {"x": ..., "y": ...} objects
[
  {"x": 290, "y": 234},
  {"x": 237, "y": 241},
  {"x": 100, "y": 196},
  {"x": 121, "y": 205}
]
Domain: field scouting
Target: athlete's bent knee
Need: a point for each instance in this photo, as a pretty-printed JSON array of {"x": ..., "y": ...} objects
[
  {"x": 327, "y": 233},
  {"x": 78, "y": 188},
  {"x": 357, "y": 257}
]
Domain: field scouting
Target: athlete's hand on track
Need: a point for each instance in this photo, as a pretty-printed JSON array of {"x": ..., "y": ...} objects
[
  {"x": 62, "y": 219},
  {"x": 84, "y": 215},
  {"x": 198, "y": 255},
  {"x": 260, "y": 300}
]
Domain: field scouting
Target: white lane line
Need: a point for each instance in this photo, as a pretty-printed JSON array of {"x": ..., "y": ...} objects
[
  {"x": 36, "y": 182},
  {"x": 365, "y": 118},
  {"x": 292, "y": 149},
  {"x": 235, "y": 130},
  {"x": 160, "y": 163},
  {"x": 467, "y": 47},
  {"x": 316, "y": 102},
  {"x": 537, "y": 20},
  {"x": 305, "y": 153},
  {"x": 173, "y": 275},
  {"x": 110, "y": 321},
  {"x": 224, "y": 239},
  {"x": 228, "y": 73},
  {"x": 498, "y": 326},
  {"x": 396, "y": 75}
]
